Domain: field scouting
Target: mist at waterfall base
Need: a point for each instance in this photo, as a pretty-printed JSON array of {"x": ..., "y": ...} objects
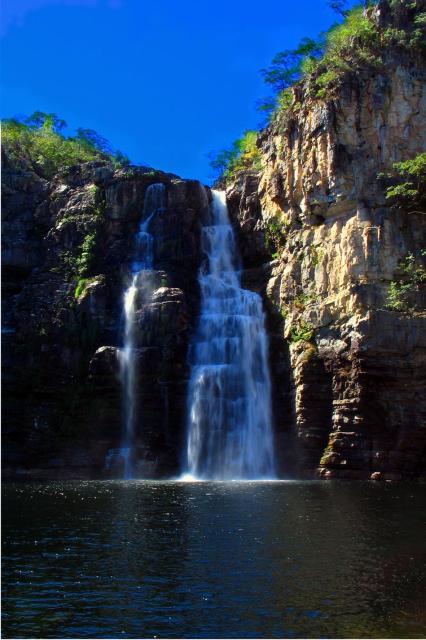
[
  {"x": 140, "y": 559},
  {"x": 229, "y": 399}
]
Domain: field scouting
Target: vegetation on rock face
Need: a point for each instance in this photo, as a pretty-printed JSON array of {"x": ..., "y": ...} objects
[
  {"x": 319, "y": 66},
  {"x": 242, "y": 155},
  {"x": 402, "y": 293},
  {"x": 303, "y": 331},
  {"x": 407, "y": 191},
  {"x": 284, "y": 71},
  {"x": 39, "y": 140},
  {"x": 275, "y": 236},
  {"x": 86, "y": 256},
  {"x": 345, "y": 48}
]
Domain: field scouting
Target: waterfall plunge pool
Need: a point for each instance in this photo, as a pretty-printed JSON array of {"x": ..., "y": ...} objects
[{"x": 141, "y": 559}]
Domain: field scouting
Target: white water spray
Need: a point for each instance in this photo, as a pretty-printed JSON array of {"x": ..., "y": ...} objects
[{"x": 229, "y": 432}]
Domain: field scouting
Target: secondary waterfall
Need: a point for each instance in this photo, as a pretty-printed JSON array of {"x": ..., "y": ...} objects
[
  {"x": 134, "y": 296},
  {"x": 229, "y": 431}
]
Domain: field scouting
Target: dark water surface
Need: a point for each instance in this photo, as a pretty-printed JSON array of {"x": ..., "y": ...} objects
[{"x": 265, "y": 560}]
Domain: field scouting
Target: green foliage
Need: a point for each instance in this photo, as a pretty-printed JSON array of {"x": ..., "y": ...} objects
[
  {"x": 340, "y": 50},
  {"x": 93, "y": 190},
  {"x": 316, "y": 255},
  {"x": 284, "y": 99},
  {"x": 90, "y": 139},
  {"x": 242, "y": 155},
  {"x": 221, "y": 161},
  {"x": 79, "y": 263},
  {"x": 339, "y": 6},
  {"x": 348, "y": 46},
  {"x": 80, "y": 287},
  {"x": 67, "y": 263},
  {"x": 284, "y": 71},
  {"x": 45, "y": 121},
  {"x": 86, "y": 256},
  {"x": 39, "y": 140},
  {"x": 302, "y": 331},
  {"x": 401, "y": 293},
  {"x": 354, "y": 43},
  {"x": 275, "y": 236},
  {"x": 303, "y": 299},
  {"x": 119, "y": 159},
  {"x": 408, "y": 189}
]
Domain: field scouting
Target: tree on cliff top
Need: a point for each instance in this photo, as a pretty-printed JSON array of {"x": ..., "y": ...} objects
[
  {"x": 319, "y": 67},
  {"x": 407, "y": 190},
  {"x": 38, "y": 139},
  {"x": 243, "y": 154}
]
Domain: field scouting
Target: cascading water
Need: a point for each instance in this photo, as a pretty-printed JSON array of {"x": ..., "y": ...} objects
[
  {"x": 229, "y": 433},
  {"x": 134, "y": 295}
]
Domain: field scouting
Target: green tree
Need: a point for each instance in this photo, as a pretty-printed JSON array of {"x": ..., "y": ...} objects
[
  {"x": 401, "y": 293},
  {"x": 285, "y": 68},
  {"x": 45, "y": 121},
  {"x": 243, "y": 154},
  {"x": 39, "y": 140},
  {"x": 408, "y": 191},
  {"x": 90, "y": 139},
  {"x": 339, "y": 6}
]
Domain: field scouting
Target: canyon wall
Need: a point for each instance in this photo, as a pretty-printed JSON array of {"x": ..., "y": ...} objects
[
  {"x": 62, "y": 398},
  {"x": 319, "y": 242},
  {"x": 349, "y": 373}
]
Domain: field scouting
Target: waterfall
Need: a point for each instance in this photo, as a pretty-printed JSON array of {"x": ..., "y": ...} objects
[
  {"x": 229, "y": 431},
  {"x": 134, "y": 296}
]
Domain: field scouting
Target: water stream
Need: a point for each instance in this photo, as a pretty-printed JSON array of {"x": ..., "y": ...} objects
[
  {"x": 134, "y": 295},
  {"x": 229, "y": 432}
]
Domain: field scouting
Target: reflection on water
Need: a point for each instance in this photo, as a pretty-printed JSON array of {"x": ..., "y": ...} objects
[{"x": 237, "y": 560}]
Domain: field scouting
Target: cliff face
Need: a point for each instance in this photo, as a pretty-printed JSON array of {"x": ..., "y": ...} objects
[
  {"x": 62, "y": 410},
  {"x": 355, "y": 404},
  {"x": 318, "y": 241}
]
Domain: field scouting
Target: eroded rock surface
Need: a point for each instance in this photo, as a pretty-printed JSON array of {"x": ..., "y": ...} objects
[
  {"x": 319, "y": 243},
  {"x": 357, "y": 403},
  {"x": 68, "y": 246}
]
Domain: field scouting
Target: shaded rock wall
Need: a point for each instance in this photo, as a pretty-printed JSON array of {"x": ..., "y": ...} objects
[{"x": 68, "y": 245}]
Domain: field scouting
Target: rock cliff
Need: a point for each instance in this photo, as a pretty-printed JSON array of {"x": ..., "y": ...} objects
[
  {"x": 62, "y": 413},
  {"x": 319, "y": 241},
  {"x": 349, "y": 373}
]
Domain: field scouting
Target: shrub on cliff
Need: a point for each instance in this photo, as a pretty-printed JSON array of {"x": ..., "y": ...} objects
[
  {"x": 39, "y": 141},
  {"x": 301, "y": 332},
  {"x": 402, "y": 293},
  {"x": 407, "y": 190},
  {"x": 242, "y": 155},
  {"x": 347, "y": 47},
  {"x": 318, "y": 67},
  {"x": 355, "y": 43}
]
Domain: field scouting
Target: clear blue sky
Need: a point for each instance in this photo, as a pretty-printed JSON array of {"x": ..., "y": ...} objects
[{"x": 166, "y": 81}]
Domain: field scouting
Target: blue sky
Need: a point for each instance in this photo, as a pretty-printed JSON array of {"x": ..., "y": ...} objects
[{"x": 166, "y": 81}]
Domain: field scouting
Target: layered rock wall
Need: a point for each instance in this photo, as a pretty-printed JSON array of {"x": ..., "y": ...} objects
[
  {"x": 356, "y": 406},
  {"x": 318, "y": 241},
  {"x": 62, "y": 410}
]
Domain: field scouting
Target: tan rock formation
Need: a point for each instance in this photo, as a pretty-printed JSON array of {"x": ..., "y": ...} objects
[{"x": 358, "y": 405}]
